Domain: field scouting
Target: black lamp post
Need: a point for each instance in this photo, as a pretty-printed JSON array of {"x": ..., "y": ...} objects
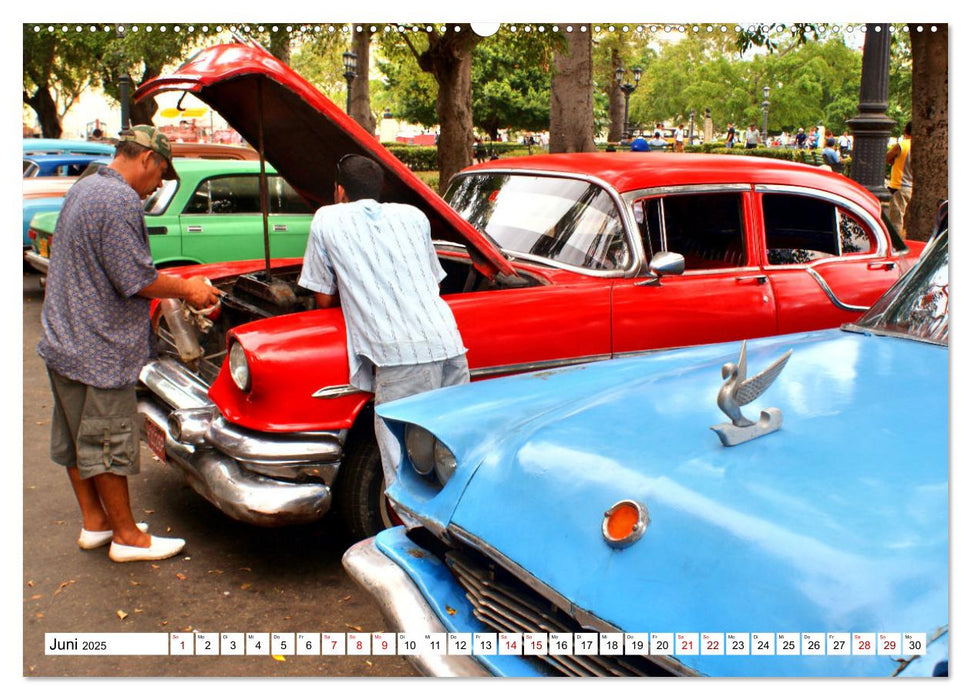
[
  {"x": 871, "y": 127},
  {"x": 627, "y": 89},
  {"x": 691, "y": 128},
  {"x": 765, "y": 115},
  {"x": 350, "y": 72}
]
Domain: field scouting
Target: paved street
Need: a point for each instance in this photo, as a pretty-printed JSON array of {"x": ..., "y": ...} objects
[{"x": 231, "y": 577}]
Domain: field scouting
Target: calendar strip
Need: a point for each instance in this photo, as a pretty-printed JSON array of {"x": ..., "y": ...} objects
[{"x": 487, "y": 644}]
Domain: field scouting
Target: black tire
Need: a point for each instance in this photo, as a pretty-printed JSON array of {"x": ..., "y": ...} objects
[{"x": 359, "y": 499}]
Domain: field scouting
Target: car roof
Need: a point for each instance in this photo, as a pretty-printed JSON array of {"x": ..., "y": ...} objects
[
  {"x": 67, "y": 146},
  {"x": 189, "y": 166},
  {"x": 626, "y": 172}
]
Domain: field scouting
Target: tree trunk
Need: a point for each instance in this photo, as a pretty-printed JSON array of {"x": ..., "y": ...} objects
[
  {"x": 616, "y": 130},
  {"x": 361, "y": 84},
  {"x": 449, "y": 59},
  {"x": 43, "y": 104},
  {"x": 571, "y": 93},
  {"x": 280, "y": 45},
  {"x": 928, "y": 159}
]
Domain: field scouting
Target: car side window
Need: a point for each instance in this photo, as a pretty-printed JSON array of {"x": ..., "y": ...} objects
[
  {"x": 706, "y": 228},
  {"x": 799, "y": 230},
  {"x": 240, "y": 194}
]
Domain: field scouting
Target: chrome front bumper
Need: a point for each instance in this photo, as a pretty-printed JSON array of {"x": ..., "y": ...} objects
[
  {"x": 251, "y": 476},
  {"x": 37, "y": 261},
  {"x": 404, "y": 608}
]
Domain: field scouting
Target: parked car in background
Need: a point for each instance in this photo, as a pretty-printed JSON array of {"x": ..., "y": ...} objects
[
  {"x": 40, "y": 146},
  {"x": 212, "y": 214},
  {"x": 58, "y": 164},
  {"x": 550, "y": 261},
  {"x": 598, "y": 498},
  {"x": 47, "y": 194}
]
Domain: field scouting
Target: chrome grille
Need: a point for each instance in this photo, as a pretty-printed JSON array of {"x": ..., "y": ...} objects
[
  {"x": 207, "y": 367},
  {"x": 504, "y": 604}
]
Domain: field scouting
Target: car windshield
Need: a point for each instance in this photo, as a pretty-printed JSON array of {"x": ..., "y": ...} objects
[
  {"x": 560, "y": 219},
  {"x": 917, "y": 305},
  {"x": 159, "y": 200}
]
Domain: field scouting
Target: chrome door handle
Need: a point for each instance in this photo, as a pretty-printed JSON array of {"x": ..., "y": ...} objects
[
  {"x": 758, "y": 279},
  {"x": 886, "y": 265},
  {"x": 279, "y": 227},
  {"x": 194, "y": 229}
]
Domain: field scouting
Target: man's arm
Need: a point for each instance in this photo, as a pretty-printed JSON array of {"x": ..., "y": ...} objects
[
  {"x": 893, "y": 153},
  {"x": 325, "y": 301},
  {"x": 195, "y": 290}
]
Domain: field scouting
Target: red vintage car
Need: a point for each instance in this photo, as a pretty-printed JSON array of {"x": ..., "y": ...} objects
[{"x": 551, "y": 261}]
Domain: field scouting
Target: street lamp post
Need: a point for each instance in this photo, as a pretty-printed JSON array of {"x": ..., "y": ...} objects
[
  {"x": 691, "y": 128},
  {"x": 350, "y": 72},
  {"x": 765, "y": 115},
  {"x": 871, "y": 127},
  {"x": 627, "y": 89}
]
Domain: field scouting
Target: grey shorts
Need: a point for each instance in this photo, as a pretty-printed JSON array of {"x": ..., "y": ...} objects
[
  {"x": 94, "y": 429},
  {"x": 399, "y": 381}
]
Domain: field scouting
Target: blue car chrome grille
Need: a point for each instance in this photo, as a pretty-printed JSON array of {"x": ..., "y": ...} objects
[{"x": 503, "y": 603}]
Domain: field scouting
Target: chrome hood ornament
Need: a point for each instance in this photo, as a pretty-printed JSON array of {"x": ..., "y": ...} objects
[{"x": 738, "y": 391}]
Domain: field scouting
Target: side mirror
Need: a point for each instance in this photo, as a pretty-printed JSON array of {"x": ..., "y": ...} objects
[{"x": 663, "y": 263}]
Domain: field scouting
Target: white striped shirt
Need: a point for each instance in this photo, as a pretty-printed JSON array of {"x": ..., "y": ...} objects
[{"x": 381, "y": 259}]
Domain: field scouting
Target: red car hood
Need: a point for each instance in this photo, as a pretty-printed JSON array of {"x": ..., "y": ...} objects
[{"x": 305, "y": 134}]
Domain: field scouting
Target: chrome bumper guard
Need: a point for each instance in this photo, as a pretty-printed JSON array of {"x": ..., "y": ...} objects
[
  {"x": 241, "y": 472},
  {"x": 404, "y": 608},
  {"x": 37, "y": 261}
]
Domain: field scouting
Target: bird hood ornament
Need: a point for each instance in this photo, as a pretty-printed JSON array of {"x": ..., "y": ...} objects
[{"x": 738, "y": 391}]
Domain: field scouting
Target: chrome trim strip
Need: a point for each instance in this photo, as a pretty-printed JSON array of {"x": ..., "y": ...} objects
[
  {"x": 585, "y": 618},
  {"x": 832, "y": 296},
  {"x": 633, "y": 195},
  {"x": 404, "y": 608},
  {"x": 626, "y": 220},
  {"x": 536, "y": 366},
  {"x": 336, "y": 392},
  {"x": 866, "y": 330},
  {"x": 237, "y": 492}
]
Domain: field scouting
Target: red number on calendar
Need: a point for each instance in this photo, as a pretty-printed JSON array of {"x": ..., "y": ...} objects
[
  {"x": 687, "y": 645},
  {"x": 864, "y": 645},
  {"x": 889, "y": 645}
]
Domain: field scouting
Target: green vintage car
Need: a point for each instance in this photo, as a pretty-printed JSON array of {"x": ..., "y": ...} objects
[{"x": 211, "y": 215}]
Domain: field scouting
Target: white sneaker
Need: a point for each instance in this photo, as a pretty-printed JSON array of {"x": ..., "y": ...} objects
[
  {"x": 160, "y": 548},
  {"x": 92, "y": 539}
]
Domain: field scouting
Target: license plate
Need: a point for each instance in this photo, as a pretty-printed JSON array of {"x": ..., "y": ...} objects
[{"x": 155, "y": 437}]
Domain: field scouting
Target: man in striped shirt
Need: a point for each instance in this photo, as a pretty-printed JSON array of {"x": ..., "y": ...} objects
[{"x": 377, "y": 262}]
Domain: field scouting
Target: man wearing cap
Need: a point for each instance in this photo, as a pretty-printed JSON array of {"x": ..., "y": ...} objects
[{"x": 96, "y": 336}]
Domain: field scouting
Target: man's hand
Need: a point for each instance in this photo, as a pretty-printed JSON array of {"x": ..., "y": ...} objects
[{"x": 200, "y": 293}]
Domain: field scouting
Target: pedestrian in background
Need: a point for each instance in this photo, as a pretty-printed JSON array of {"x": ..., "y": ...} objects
[
  {"x": 96, "y": 337},
  {"x": 730, "y": 138},
  {"x": 679, "y": 139},
  {"x": 801, "y": 138},
  {"x": 901, "y": 180},
  {"x": 831, "y": 156},
  {"x": 751, "y": 137}
]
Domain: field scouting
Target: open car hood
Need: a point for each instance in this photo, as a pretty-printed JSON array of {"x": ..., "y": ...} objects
[{"x": 305, "y": 134}]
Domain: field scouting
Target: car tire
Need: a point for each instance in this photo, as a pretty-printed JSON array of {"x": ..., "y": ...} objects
[{"x": 359, "y": 498}]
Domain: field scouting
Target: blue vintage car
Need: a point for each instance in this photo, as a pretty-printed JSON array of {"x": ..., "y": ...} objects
[{"x": 599, "y": 498}]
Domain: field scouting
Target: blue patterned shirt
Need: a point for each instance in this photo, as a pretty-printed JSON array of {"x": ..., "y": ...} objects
[
  {"x": 381, "y": 259},
  {"x": 94, "y": 329}
]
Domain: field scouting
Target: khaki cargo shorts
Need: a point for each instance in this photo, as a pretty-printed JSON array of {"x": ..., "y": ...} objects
[{"x": 94, "y": 429}]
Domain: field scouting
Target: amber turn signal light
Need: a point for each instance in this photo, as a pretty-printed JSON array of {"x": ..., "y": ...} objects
[{"x": 624, "y": 523}]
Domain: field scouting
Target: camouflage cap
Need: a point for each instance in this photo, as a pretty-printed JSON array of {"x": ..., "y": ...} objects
[{"x": 155, "y": 140}]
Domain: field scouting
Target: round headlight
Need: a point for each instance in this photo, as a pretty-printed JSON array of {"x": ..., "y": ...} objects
[
  {"x": 444, "y": 463},
  {"x": 420, "y": 445},
  {"x": 239, "y": 367}
]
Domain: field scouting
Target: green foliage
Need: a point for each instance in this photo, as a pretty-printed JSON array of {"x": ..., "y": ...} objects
[
  {"x": 510, "y": 83},
  {"x": 809, "y": 83}
]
